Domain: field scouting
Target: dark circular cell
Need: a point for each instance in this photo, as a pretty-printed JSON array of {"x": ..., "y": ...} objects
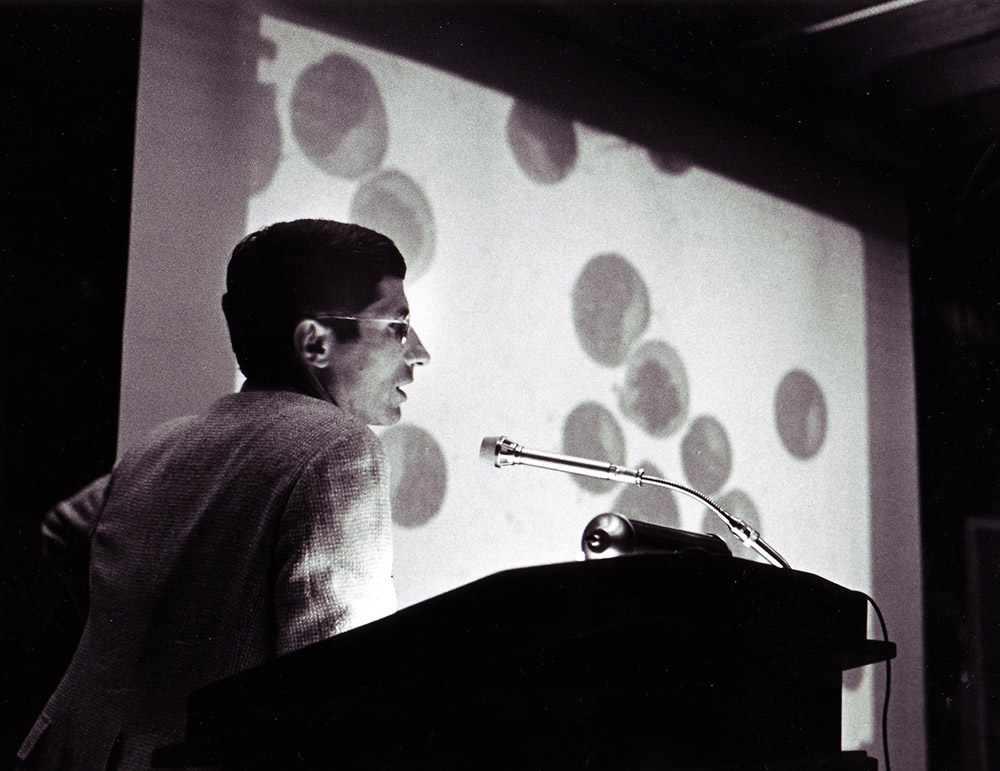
[
  {"x": 338, "y": 117},
  {"x": 670, "y": 163},
  {"x": 800, "y": 414},
  {"x": 418, "y": 476},
  {"x": 655, "y": 394},
  {"x": 739, "y": 504},
  {"x": 656, "y": 505},
  {"x": 706, "y": 455},
  {"x": 544, "y": 144},
  {"x": 610, "y": 308},
  {"x": 591, "y": 431},
  {"x": 392, "y": 203}
]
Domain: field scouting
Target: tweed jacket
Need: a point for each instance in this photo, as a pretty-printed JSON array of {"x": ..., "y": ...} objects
[{"x": 220, "y": 542}]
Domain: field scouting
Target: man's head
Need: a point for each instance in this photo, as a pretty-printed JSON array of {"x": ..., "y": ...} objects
[{"x": 319, "y": 306}]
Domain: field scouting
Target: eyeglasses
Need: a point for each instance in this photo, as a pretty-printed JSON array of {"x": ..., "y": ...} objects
[{"x": 400, "y": 327}]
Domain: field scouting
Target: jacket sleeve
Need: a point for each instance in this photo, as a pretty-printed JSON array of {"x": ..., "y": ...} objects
[
  {"x": 334, "y": 552},
  {"x": 66, "y": 532}
]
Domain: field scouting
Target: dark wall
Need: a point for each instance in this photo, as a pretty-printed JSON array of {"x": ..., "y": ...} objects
[
  {"x": 68, "y": 79},
  {"x": 955, "y": 257}
]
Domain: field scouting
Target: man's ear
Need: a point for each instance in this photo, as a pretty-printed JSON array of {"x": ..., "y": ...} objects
[{"x": 313, "y": 343}]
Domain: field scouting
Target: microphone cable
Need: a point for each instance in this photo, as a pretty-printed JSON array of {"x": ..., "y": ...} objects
[{"x": 888, "y": 687}]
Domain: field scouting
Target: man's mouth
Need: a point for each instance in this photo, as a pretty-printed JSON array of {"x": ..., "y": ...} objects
[{"x": 405, "y": 381}]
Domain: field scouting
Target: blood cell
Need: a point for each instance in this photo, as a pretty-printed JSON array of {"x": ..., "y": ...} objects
[
  {"x": 670, "y": 163},
  {"x": 418, "y": 475},
  {"x": 740, "y": 505},
  {"x": 338, "y": 117},
  {"x": 591, "y": 431},
  {"x": 543, "y": 143},
  {"x": 610, "y": 308},
  {"x": 394, "y": 204},
  {"x": 655, "y": 395},
  {"x": 656, "y": 505},
  {"x": 706, "y": 455},
  {"x": 800, "y": 414}
]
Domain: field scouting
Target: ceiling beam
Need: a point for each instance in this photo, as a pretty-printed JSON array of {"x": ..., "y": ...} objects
[{"x": 850, "y": 52}]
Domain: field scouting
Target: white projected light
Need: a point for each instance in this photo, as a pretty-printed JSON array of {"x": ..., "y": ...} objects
[
  {"x": 575, "y": 293},
  {"x": 590, "y": 301}
]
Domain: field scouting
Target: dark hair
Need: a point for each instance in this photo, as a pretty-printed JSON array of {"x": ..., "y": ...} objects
[{"x": 285, "y": 272}]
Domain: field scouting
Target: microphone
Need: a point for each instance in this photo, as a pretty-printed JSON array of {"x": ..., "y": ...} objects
[
  {"x": 612, "y": 535},
  {"x": 500, "y": 451}
]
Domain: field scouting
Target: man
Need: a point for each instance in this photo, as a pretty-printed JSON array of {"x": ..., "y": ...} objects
[{"x": 227, "y": 539}]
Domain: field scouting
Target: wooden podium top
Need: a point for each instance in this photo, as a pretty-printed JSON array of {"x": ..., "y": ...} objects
[{"x": 618, "y": 634}]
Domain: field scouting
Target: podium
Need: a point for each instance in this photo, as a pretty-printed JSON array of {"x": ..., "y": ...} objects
[{"x": 641, "y": 662}]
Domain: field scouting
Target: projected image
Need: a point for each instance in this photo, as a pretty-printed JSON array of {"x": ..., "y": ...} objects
[
  {"x": 420, "y": 475},
  {"x": 586, "y": 296},
  {"x": 392, "y": 203},
  {"x": 659, "y": 509},
  {"x": 655, "y": 395},
  {"x": 610, "y": 308},
  {"x": 543, "y": 144},
  {"x": 582, "y": 295},
  {"x": 338, "y": 118},
  {"x": 800, "y": 414}
]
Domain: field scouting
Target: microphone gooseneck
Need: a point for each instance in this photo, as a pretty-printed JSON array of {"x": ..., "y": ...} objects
[{"x": 501, "y": 451}]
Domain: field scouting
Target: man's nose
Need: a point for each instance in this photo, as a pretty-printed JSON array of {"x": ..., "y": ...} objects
[{"x": 415, "y": 352}]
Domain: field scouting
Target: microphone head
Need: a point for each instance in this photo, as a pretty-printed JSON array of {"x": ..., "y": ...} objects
[{"x": 488, "y": 449}]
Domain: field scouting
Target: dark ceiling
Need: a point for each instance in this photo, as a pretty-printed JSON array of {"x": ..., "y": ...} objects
[
  {"x": 906, "y": 91},
  {"x": 914, "y": 86},
  {"x": 909, "y": 87}
]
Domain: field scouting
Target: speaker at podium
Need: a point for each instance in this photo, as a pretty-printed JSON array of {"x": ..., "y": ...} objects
[{"x": 672, "y": 655}]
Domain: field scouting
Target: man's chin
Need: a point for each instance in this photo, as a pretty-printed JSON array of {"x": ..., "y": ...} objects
[{"x": 390, "y": 418}]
